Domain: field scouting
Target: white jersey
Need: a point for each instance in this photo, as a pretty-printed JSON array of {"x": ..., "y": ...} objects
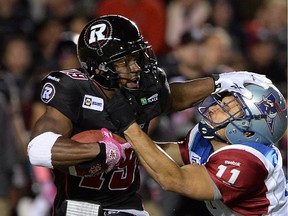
[{"x": 248, "y": 176}]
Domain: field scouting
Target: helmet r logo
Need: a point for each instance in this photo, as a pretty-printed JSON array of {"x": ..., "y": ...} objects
[
  {"x": 98, "y": 31},
  {"x": 97, "y": 34},
  {"x": 48, "y": 92}
]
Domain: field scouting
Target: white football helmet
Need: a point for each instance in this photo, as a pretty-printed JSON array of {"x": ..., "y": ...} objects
[{"x": 261, "y": 119}]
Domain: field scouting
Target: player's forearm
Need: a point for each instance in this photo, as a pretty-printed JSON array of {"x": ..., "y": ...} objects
[
  {"x": 67, "y": 152},
  {"x": 191, "y": 180},
  {"x": 189, "y": 93},
  {"x": 161, "y": 168}
]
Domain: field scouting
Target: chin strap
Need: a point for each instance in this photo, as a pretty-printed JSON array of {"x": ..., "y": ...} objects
[{"x": 209, "y": 132}]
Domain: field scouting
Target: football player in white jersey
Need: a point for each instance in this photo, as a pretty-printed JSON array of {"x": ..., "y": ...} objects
[{"x": 231, "y": 160}]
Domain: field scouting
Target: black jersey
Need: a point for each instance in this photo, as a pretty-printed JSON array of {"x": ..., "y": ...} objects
[{"x": 81, "y": 100}]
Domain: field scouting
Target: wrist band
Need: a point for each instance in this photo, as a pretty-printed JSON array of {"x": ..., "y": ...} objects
[
  {"x": 40, "y": 147},
  {"x": 101, "y": 157}
]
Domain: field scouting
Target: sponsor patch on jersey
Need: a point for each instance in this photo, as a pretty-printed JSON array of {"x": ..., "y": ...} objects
[
  {"x": 75, "y": 74},
  {"x": 53, "y": 78},
  {"x": 93, "y": 103},
  {"x": 48, "y": 92},
  {"x": 234, "y": 163},
  {"x": 151, "y": 99}
]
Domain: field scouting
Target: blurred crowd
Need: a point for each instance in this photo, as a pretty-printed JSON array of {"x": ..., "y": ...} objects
[{"x": 191, "y": 39}]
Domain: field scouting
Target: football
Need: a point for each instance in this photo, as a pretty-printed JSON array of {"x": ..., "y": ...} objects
[
  {"x": 90, "y": 168},
  {"x": 91, "y": 136}
]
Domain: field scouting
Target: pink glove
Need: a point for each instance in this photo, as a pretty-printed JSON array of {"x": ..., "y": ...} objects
[{"x": 114, "y": 150}]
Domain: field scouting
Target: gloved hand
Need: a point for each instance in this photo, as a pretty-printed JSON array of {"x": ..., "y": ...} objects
[
  {"x": 120, "y": 111},
  {"x": 234, "y": 82},
  {"x": 113, "y": 150},
  {"x": 151, "y": 84}
]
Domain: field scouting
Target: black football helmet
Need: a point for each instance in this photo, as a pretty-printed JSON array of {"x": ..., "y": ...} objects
[{"x": 107, "y": 39}]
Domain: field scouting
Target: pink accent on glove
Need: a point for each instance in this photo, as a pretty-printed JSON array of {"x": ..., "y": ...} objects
[{"x": 114, "y": 150}]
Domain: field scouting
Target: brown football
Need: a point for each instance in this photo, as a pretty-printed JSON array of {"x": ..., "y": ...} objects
[{"x": 91, "y": 136}]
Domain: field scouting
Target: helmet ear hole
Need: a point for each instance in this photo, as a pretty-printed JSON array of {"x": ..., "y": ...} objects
[
  {"x": 248, "y": 133},
  {"x": 265, "y": 119},
  {"x": 90, "y": 65}
]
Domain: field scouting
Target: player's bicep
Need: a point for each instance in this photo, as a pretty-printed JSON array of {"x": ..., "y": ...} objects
[
  {"x": 196, "y": 182},
  {"x": 54, "y": 121}
]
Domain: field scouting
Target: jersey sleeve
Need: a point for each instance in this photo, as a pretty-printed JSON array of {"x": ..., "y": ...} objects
[
  {"x": 238, "y": 174},
  {"x": 61, "y": 91}
]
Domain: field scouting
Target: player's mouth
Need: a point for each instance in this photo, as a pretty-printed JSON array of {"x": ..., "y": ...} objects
[{"x": 133, "y": 84}]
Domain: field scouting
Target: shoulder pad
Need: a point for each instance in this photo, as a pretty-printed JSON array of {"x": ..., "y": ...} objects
[
  {"x": 75, "y": 74},
  {"x": 71, "y": 73}
]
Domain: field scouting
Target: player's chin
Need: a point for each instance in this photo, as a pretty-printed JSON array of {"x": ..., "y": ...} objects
[{"x": 132, "y": 85}]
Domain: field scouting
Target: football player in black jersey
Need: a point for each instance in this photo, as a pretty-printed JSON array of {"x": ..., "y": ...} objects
[{"x": 114, "y": 58}]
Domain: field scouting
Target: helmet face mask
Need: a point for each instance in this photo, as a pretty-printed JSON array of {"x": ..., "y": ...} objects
[
  {"x": 108, "y": 39},
  {"x": 216, "y": 100},
  {"x": 263, "y": 118}
]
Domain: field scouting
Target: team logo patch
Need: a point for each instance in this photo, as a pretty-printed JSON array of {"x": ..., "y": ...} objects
[
  {"x": 97, "y": 33},
  {"x": 48, "y": 92},
  {"x": 93, "y": 103},
  {"x": 269, "y": 107}
]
